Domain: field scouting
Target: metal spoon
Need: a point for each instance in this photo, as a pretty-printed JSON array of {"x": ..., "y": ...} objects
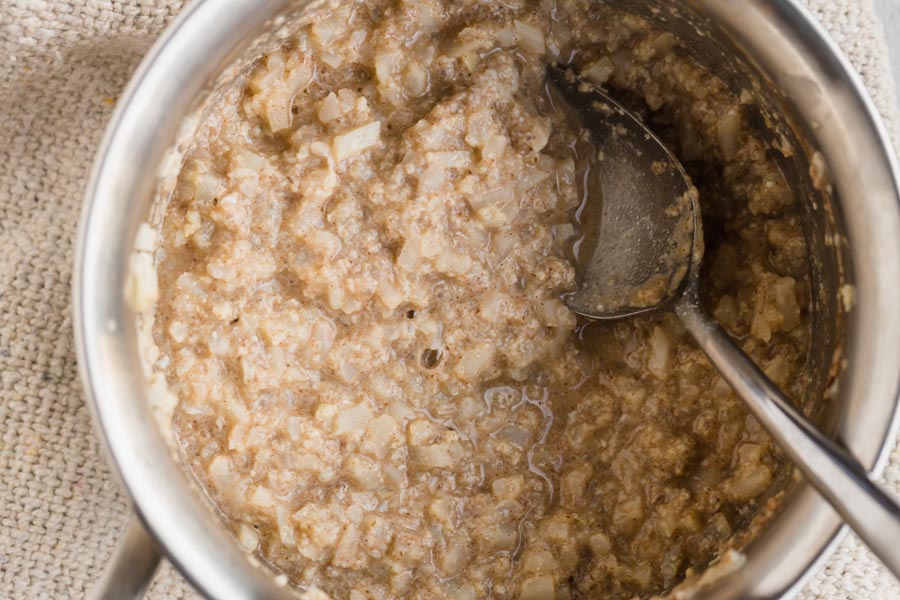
[{"x": 642, "y": 252}]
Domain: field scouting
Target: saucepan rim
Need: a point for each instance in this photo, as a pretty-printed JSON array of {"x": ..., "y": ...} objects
[{"x": 204, "y": 38}]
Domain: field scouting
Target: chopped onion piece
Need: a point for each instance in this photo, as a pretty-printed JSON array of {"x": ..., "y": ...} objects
[
  {"x": 351, "y": 419},
  {"x": 474, "y": 361},
  {"x": 416, "y": 79},
  {"x": 329, "y": 109},
  {"x": 356, "y": 141},
  {"x": 249, "y": 538},
  {"x": 530, "y": 37},
  {"x": 436, "y": 456},
  {"x": 538, "y": 588},
  {"x": 262, "y": 498}
]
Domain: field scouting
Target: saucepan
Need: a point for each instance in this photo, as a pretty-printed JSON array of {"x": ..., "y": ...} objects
[{"x": 811, "y": 102}]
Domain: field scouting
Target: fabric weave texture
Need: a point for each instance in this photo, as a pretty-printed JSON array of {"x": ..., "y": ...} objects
[{"x": 62, "y": 65}]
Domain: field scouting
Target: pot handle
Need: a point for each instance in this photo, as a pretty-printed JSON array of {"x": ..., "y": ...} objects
[{"x": 131, "y": 568}]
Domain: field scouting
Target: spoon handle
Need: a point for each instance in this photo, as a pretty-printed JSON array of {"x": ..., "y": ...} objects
[{"x": 839, "y": 478}]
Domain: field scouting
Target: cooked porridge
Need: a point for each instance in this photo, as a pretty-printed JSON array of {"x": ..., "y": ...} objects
[{"x": 360, "y": 277}]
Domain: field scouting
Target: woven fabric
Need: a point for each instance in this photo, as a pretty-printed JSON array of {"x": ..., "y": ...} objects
[{"x": 62, "y": 65}]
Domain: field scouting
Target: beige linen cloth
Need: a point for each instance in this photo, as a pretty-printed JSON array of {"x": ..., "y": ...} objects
[{"x": 62, "y": 64}]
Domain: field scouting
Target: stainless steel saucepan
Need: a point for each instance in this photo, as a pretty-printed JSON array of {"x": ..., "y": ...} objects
[{"x": 833, "y": 150}]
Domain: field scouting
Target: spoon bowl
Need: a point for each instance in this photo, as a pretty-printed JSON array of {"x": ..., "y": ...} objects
[{"x": 643, "y": 237}]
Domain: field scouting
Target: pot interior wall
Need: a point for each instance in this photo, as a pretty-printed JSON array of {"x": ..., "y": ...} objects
[
  {"x": 787, "y": 136},
  {"x": 775, "y": 119}
]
